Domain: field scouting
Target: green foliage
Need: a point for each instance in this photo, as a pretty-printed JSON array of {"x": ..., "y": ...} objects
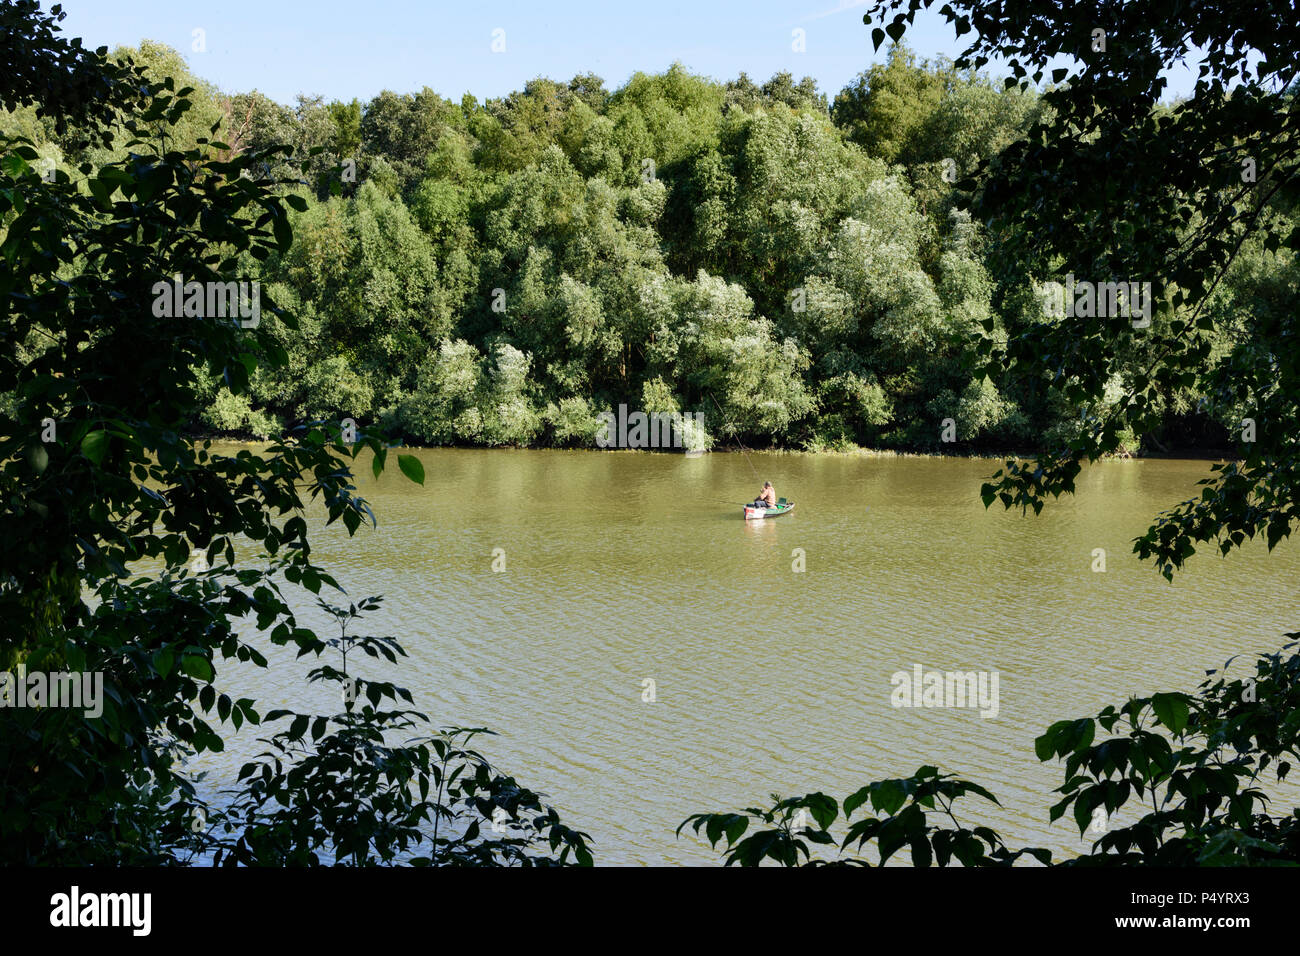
[
  {"x": 664, "y": 118},
  {"x": 583, "y": 228},
  {"x": 497, "y": 273},
  {"x": 907, "y": 809},
  {"x": 886, "y": 109},
  {"x": 404, "y": 129},
  {"x": 54, "y": 76},
  {"x": 444, "y": 406},
  {"x": 461, "y": 396},
  {"x": 333, "y": 789},
  {"x": 253, "y": 121},
  {"x": 233, "y": 414},
  {"x": 574, "y": 422},
  {"x": 510, "y": 418},
  {"x": 743, "y": 93},
  {"x": 573, "y": 223},
  {"x": 101, "y": 518},
  {"x": 333, "y": 389},
  {"x": 1110, "y": 185},
  {"x": 1197, "y": 761},
  {"x": 346, "y": 118}
]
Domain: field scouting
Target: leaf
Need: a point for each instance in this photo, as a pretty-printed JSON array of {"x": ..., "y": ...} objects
[
  {"x": 890, "y": 840},
  {"x": 1172, "y": 710},
  {"x": 1080, "y": 734},
  {"x": 888, "y": 796},
  {"x": 855, "y": 800},
  {"x": 101, "y": 191},
  {"x": 197, "y": 666},
  {"x": 1040, "y": 854},
  {"x": 39, "y": 458},
  {"x": 1045, "y": 745},
  {"x": 283, "y": 232},
  {"x": 823, "y": 808},
  {"x": 921, "y": 855},
  {"x": 114, "y": 175},
  {"x": 95, "y": 445},
  {"x": 411, "y": 468},
  {"x": 977, "y": 789}
]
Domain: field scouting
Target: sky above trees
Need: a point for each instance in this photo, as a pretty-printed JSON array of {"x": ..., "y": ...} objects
[{"x": 340, "y": 49}]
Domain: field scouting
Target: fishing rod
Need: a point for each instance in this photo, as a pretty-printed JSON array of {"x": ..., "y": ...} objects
[{"x": 738, "y": 441}]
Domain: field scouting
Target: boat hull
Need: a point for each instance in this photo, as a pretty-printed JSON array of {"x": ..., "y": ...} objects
[{"x": 758, "y": 514}]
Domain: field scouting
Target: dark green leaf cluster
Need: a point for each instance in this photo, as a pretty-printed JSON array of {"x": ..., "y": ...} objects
[
  {"x": 340, "y": 789},
  {"x": 106, "y": 498},
  {"x": 1197, "y": 197},
  {"x": 906, "y": 809}
]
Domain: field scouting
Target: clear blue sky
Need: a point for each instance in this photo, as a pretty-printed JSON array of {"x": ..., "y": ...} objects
[{"x": 346, "y": 48}]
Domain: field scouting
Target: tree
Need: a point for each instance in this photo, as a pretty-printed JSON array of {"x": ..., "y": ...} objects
[
  {"x": 159, "y": 61},
  {"x": 55, "y": 75},
  {"x": 1107, "y": 187},
  {"x": 886, "y": 108},
  {"x": 559, "y": 220},
  {"x": 347, "y": 126},
  {"x": 405, "y": 128},
  {"x": 781, "y": 88},
  {"x": 106, "y": 495}
]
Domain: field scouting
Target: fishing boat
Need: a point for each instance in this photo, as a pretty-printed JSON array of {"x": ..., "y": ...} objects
[{"x": 783, "y": 507}]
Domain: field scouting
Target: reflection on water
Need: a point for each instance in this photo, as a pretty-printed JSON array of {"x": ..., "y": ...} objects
[{"x": 624, "y": 566}]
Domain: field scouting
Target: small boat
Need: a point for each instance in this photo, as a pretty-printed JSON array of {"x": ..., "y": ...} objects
[{"x": 783, "y": 507}]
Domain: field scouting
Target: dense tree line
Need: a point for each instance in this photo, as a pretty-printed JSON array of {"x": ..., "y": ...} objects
[{"x": 798, "y": 271}]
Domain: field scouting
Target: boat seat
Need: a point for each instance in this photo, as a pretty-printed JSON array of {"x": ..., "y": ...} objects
[{"x": 780, "y": 502}]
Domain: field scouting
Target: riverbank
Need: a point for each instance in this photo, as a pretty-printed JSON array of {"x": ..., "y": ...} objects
[{"x": 1208, "y": 454}]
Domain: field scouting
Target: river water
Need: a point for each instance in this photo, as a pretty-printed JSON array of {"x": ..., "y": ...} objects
[{"x": 618, "y": 568}]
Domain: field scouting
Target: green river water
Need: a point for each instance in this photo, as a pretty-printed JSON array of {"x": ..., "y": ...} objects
[{"x": 623, "y": 567}]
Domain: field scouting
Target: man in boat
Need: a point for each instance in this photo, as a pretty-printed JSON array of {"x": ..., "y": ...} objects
[{"x": 767, "y": 497}]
